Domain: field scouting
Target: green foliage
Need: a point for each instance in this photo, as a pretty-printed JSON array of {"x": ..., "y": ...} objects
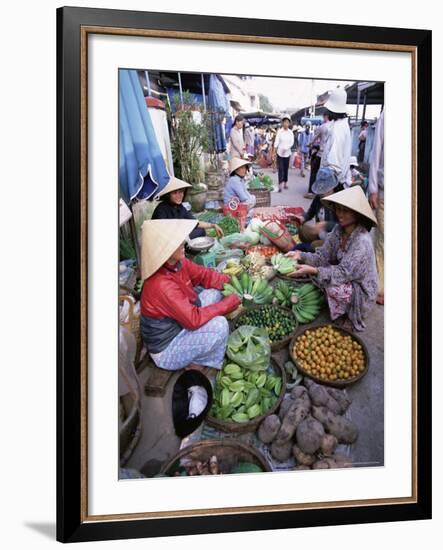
[
  {"x": 189, "y": 139},
  {"x": 265, "y": 104}
]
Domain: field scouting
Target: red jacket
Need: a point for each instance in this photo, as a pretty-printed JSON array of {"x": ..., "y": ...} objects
[{"x": 169, "y": 293}]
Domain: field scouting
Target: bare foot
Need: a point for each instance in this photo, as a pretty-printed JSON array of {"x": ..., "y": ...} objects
[{"x": 381, "y": 299}]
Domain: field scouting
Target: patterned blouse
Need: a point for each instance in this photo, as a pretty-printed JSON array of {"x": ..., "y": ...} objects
[{"x": 352, "y": 263}]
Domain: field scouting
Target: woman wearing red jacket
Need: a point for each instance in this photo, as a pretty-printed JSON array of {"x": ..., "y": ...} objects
[{"x": 182, "y": 326}]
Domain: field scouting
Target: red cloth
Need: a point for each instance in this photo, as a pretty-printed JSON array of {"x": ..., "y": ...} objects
[{"x": 170, "y": 293}]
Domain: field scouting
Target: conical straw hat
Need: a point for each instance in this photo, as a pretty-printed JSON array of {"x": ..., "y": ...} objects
[
  {"x": 354, "y": 199},
  {"x": 236, "y": 163},
  {"x": 173, "y": 185},
  {"x": 160, "y": 238}
]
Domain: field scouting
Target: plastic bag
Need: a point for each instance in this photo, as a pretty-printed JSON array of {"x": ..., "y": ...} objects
[
  {"x": 249, "y": 347},
  {"x": 236, "y": 238}
]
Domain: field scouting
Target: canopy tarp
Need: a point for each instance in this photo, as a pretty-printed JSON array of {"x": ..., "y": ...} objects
[{"x": 142, "y": 169}]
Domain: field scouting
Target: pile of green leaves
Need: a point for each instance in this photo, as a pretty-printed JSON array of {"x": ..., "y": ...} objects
[{"x": 249, "y": 347}]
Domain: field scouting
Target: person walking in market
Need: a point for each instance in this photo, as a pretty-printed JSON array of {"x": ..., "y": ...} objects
[
  {"x": 376, "y": 192},
  {"x": 182, "y": 306},
  {"x": 284, "y": 140},
  {"x": 345, "y": 265},
  {"x": 237, "y": 147},
  {"x": 337, "y": 150},
  {"x": 319, "y": 139},
  {"x": 315, "y": 166},
  {"x": 304, "y": 141}
]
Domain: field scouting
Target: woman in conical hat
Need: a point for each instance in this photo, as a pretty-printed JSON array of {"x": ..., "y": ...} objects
[
  {"x": 171, "y": 207},
  {"x": 180, "y": 326},
  {"x": 236, "y": 185},
  {"x": 345, "y": 265}
]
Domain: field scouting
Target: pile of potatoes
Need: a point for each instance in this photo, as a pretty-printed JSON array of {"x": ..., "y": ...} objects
[{"x": 310, "y": 424}]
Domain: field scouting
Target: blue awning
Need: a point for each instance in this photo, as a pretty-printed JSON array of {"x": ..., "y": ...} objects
[{"x": 142, "y": 169}]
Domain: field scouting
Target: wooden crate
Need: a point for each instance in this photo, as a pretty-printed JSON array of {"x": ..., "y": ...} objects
[{"x": 263, "y": 197}]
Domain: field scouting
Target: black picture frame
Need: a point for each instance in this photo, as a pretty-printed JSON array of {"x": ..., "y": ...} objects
[{"x": 72, "y": 521}]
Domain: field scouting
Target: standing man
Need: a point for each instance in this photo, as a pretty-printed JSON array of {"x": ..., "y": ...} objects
[
  {"x": 376, "y": 189},
  {"x": 304, "y": 140},
  {"x": 362, "y": 140}
]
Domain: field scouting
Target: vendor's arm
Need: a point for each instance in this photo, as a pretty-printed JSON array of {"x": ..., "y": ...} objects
[
  {"x": 175, "y": 305},
  {"x": 323, "y": 255},
  {"x": 204, "y": 276},
  {"x": 352, "y": 267},
  {"x": 207, "y": 225}
]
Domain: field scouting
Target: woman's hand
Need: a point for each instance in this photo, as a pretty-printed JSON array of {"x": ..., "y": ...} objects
[
  {"x": 295, "y": 255},
  {"x": 304, "y": 270},
  {"x": 218, "y": 230}
]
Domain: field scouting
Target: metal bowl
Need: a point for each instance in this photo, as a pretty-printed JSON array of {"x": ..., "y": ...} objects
[{"x": 201, "y": 244}]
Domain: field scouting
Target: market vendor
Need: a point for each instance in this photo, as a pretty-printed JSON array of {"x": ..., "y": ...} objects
[
  {"x": 182, "y": 326},
  {"x": 323, "y": 220},
  {"x": 345, "y": 265},
  {"x": 236, "y": 185},
  {"x": 171, "y": 207}
]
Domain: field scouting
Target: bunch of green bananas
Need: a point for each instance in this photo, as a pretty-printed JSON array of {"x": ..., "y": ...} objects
[
  {"x": 283, "y": 293},
  {"x": 250, "y": 291},
  {"x": 283, "y": 264},
  {"x": 241, "y": 395},
  {"x": 308, "y": 301}
]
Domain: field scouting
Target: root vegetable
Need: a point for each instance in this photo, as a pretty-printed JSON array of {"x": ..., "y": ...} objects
[
  {"x": 328, "y": 444},
  {"x": 302, "y": 458},
  {"x": 341, "y": 398},
  {"x": 343, "y": 429},
  {"x": 320, "y": 396},
  {"x": 284, "y": 407},
  {"x": 269, "y": 428},
  {"x": 298, "y": 391},
  {"x": 302, "y": 467},
  {"x": 309, "y": 435},
  {"x": 281, "y": 451},
  {"x": 342, "y": 461},
  {"x": 297, "y": 412},
  {"x": 331, "y": 463}
]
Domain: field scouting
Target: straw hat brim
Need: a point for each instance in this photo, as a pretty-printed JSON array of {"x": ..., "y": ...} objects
[
  {"x": 354, "y": 199},
  {"x": 237, "y": 163},
  {"x": 160, "y": 238},
  {"x": 174, "y": 184}
]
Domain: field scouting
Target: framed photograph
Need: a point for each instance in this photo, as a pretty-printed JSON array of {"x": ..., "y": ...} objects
[{"x": 235, "y": 313}]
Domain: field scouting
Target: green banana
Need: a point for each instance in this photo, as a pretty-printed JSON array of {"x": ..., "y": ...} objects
[{"x": 237, "y": 285}]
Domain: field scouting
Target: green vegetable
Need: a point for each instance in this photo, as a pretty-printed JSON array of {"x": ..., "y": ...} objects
[{"x": 249, "y": 347}]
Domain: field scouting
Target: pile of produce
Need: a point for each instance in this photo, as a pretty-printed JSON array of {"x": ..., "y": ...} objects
[
  {"x": 241, "y": 394},
  {"x": 229, "y": 225},
  {"x": 126, "y": 249},
  {"x": 309, "y": 426},
  {"x": 256, "y": 183},
  {"x": 250, "y": 290},
  {"x": 283, "y": 264},
  {"x": 307, "y": 302},
  {"x": 249, "y": 347},
  {"x": 233, "y": 267},
  {"x": 255, "y": 265},
  {"x": 329, "y": 354},
  {"x": 278, "y": 323},
  {"x": 263, "y": 250},
  {"x": 267, "y": 182}
]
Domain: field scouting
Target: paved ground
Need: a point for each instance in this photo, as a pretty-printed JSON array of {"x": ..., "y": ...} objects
[{"x": 159, "y": 442}]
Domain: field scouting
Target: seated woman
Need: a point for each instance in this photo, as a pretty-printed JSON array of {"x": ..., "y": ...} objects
[
  {"x": 171, "y": 207},
  {"x": 236, "y": 186},
  {"x": 345, "y": 265},
  {"x": 181, "y": 327},
  {"x": 324, "y": 218}
]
